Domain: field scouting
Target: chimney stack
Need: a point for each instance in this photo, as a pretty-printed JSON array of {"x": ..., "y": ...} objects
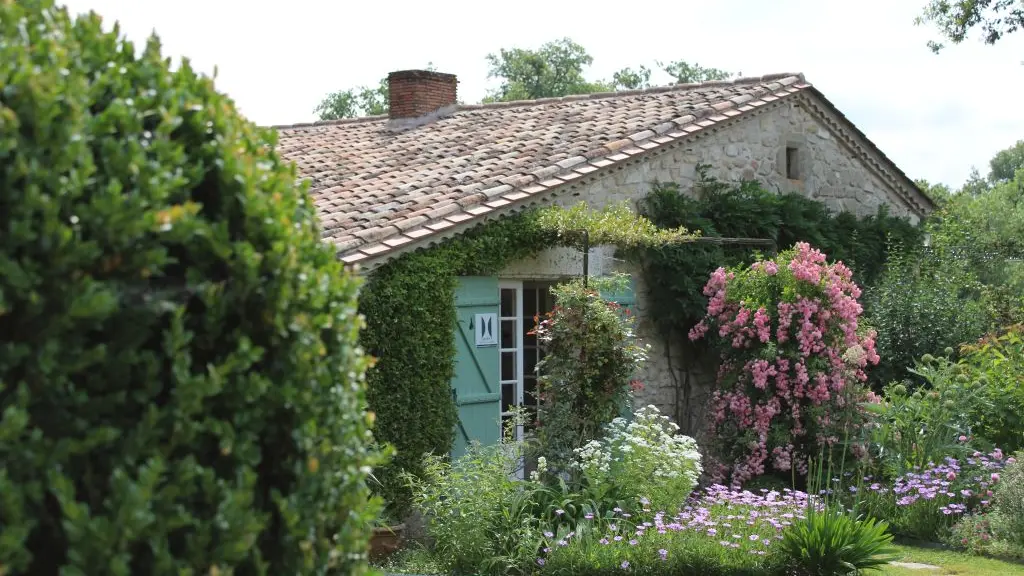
[{"x": 414, "y": 93}]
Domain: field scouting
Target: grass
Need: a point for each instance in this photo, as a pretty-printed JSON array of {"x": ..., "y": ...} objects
[
  {"x": 951, "y": 563},
  {"x": 414, "y": 560}
]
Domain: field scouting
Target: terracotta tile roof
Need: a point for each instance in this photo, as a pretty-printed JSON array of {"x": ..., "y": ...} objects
[{"x": 382, "y": 186}]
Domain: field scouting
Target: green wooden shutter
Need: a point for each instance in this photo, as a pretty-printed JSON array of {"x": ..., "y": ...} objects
[
  {"x": 626, "y": 297},
  {"x": 475, "y": 387}
]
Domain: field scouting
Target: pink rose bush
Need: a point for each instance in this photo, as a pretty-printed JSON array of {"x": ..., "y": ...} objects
[{"x": 794, "y": 362}]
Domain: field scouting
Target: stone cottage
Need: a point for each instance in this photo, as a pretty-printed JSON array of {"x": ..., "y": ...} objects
[{"x": 432, "y": 168}]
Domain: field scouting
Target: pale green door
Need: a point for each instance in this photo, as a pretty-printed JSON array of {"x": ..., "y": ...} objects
[{"x": 475, "y": 386}]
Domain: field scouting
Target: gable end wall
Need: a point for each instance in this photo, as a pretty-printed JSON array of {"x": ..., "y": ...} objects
[{"x": 753, "y": 147}]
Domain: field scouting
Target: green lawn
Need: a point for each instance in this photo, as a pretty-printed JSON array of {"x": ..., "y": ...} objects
[
  {"x": 417, "y": 561},
  {"x": 951, "y": 563}
]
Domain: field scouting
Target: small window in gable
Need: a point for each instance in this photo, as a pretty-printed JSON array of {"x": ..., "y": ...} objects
[{"x": 792, "y": 163}]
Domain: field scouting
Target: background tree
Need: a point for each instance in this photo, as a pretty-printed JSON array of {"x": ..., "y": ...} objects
[
  {"x": 555, "y": 69},
  {"x": 939, "y": 193},
  {"x": 956, "y": 18},
  {"x": 359, "y": 101},
  {"x": 629, "y": 79},
  {"x": 1005, "y": 163},
  {"x": 681, "y": 72},
  {"x": 685, "y": 73}
]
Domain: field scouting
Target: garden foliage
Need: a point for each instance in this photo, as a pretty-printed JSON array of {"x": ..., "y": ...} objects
[
  {"x": 675, "y": 272},
  {"x": 180, "y": 387},
  {"x": 927, "y": 501},
  {"x": 1008, "y": 515},
  {"x": 642, "y": 462},
  {"x": 794, "y": 361},
  {"x": 924, "y": 302},
  {"x": 994, "y": 367},
  {"x": 719, "y": 531},
  {"x": 591, "y": 357},
  {"x": 915, "y": 426},
  {"x": 409, "y": 305}
]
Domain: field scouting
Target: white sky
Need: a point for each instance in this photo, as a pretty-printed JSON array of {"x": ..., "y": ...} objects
[{"x": 934, "y": 115}]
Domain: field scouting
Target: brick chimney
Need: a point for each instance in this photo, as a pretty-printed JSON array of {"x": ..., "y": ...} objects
[{"x": 414, "y": 93}]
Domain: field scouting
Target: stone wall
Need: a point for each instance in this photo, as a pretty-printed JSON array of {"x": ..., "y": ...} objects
[{"x": 758, "y": 147}]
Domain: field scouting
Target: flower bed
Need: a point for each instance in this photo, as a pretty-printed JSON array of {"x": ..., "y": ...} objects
[
  {"x": 721, "y": 531},
  {"x": 926, "y": 503}
]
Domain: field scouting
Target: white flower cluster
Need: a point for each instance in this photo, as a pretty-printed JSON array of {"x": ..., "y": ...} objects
[
  {"x": 542, "y": 467},
  {"x": 644, "y": 458}
]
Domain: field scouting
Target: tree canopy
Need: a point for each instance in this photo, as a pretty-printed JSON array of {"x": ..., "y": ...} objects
[
  {"x": 556, "y": 68},
  {"x": 1005, "y": 164},
  {"x": 956, "y": 18}
]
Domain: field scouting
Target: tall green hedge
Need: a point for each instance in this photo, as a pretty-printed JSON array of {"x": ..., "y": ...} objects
[{"x": 181, "y": 390}]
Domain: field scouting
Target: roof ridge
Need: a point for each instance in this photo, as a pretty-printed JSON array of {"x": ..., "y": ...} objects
[{"x": 741, "y": 81}]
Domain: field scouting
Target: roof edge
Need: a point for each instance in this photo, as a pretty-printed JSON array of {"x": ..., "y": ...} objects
[{"x": 741, "y": 81}]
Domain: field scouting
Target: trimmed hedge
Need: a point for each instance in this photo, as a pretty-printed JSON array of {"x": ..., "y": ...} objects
[{"x": 181, "y": 391}]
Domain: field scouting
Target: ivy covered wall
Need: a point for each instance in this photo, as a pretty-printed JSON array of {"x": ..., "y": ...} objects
[
  {"x": 679, "y": 375},
  {"x": 409, "y": 306}
]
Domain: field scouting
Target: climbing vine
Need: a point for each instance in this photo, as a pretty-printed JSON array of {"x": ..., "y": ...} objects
[
  {"x": 409, "y": 306},
  {"x": 675, "y": 273}
]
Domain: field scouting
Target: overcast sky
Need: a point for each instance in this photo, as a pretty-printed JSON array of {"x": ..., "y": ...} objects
[{"x": 934, "y": 115}]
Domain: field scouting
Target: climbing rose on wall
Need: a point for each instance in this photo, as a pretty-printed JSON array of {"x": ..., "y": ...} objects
[{"x": 794, "y": 363}]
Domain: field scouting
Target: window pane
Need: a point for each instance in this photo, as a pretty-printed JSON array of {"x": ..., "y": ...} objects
[
  {"x": 529, "y": 391},
  {"x": 508, "y": 365},
  {"x": 508, "y": 396},
  {"x": 508, "y": 333},
  {"x": 544, "y": 301},
  {"x": 529, "y": 361},
  {"x": 508, "y": 302},
  {"x": 529, "y": 302},
  {"x": 528, "y": 326}
]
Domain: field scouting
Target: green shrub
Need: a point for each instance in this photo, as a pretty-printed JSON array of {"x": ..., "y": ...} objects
[
  {"x": 480, "y": 518},
  {"x": 834, "y": 543},
  {"x": 916, "y": 426},
  {"x": 180, "y": 387},
  {"x": 591, "y": 356},
  {"x": 410, "y": 311},
  {"x": 1008, "y": 518},
  {"x": 644, "y": 462},
  {"x": 923, "y": 303},
  {"x": 830, "y": 539},
  {"x": 994, "y": 366}
]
